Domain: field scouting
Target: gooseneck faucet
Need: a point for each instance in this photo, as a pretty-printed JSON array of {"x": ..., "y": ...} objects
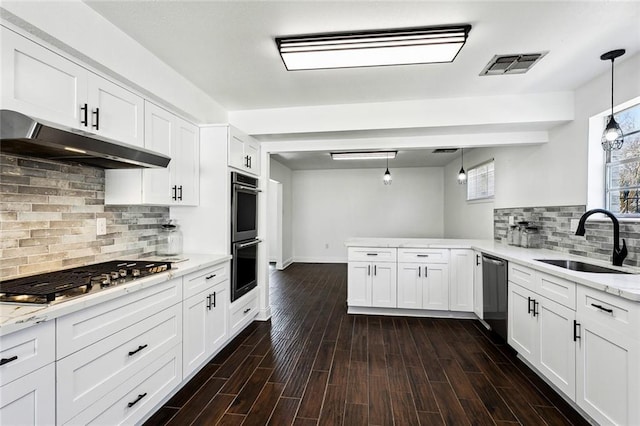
[{"x": 618, "y": 253}]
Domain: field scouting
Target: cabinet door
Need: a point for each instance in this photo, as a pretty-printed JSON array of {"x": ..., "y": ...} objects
[
  {"x": 461, "y": 281},
  {"x": 236, "y": 149},
  {"x": 217, "y": 318},
  {"x": 410, "y": 285},
  {"x": 435, "y": 289},
  {"x": 30, "y": 400},
  {"x": 195, "y": 338},
  {"x": 383, "y": 285},
  {"x": 40, "y": 83},
  {"x": 556, "y": 348},
  {"x": 158, "y": 134},
  {"x": 115, "y": 112},
  {"x": 359, "y": 284},
  {"x": 185, "y": 170},
  {"x": 252, "y": 154},
  {"x": 522, "y": 332},
  {"x": 608, "y": 374},
  {"x": 477, "y": 284}
]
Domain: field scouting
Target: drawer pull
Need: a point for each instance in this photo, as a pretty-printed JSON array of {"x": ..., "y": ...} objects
[
  {"x": 246, "y": 310},
  {"x": 4, "y": 361},
  {"x": 131, "y": 404},
  {"x": 210, "y": 276},
  {"x": 422, "y": 255},
  {"x": 602, "y": 308},
  {"x": 372, "y": 254},
  {"x": 141, "y": 347}
]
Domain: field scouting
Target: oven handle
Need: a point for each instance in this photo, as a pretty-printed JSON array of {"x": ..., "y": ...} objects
[
  {"x": 248, "y": 188},
  {"x": 252, "y": 243}
]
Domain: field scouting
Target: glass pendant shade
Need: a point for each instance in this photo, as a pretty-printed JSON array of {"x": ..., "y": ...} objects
[
  {"x": 387, "y": 177},
  {"x": 612, "y": 137}
]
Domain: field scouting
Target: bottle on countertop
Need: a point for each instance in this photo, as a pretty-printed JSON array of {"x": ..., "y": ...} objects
[
  {"x": 531, "y": 237},
  {"x": 173, "y": 244}
]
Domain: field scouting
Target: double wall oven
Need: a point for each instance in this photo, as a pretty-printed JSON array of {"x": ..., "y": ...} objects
[{"x": 244, "y": 234}]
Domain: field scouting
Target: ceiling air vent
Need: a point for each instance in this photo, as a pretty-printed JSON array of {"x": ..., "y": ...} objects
[
  {"x": 444, "y": 150},
  {"x": 512, "y": 64}
]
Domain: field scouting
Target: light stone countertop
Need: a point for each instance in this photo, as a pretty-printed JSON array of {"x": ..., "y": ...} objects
[
  {"x": 623, "y": 285},
  {"x": 14, "y": 316}
]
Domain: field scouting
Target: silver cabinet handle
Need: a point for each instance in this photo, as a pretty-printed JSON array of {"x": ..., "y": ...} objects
[
  {"x": 252, "y": 243},
  {"x": 248, "y": 188}
]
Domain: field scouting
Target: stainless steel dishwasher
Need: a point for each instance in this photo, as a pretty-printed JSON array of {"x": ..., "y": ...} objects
[{"x": 494, "y": 294}]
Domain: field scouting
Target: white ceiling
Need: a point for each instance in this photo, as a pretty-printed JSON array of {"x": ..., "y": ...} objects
[{"x": 227, "y": 49}]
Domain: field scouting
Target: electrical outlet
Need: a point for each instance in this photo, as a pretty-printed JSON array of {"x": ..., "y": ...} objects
[
  {"x": 574, "y": 224},
  {"x": 326, "y": 245},
  {"x": 101, "y": 226},
  {"x": 512, "y": 220}
]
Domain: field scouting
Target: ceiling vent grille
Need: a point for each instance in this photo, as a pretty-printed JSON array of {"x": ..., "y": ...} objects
[
  {"x": 444, "y": 150},
  {"x": 512, "y": 64}
]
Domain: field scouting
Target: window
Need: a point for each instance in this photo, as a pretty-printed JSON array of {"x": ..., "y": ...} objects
[
  {"x": 622, "y": 167},
  {"x": 480, "y": 181}
]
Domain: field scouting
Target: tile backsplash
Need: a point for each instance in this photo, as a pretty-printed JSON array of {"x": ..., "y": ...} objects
[
  {"x": 48, "y": 214},
  {"x": 556, "y": 234}
]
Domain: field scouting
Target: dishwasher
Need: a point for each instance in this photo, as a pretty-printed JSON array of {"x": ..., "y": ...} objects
[{"x": 494, "y": 294}]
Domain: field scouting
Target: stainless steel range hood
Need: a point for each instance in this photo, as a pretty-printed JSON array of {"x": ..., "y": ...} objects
[{"x": 23, "y": 135}]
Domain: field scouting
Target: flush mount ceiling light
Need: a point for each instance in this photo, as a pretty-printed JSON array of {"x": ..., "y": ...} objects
[
  {"x": 362, "y": 155},
  {"x": 612, "y": 137},
  {"x": 373, "y": 48}
]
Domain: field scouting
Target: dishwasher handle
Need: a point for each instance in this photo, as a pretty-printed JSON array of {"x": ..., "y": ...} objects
[{"x": 493, "y": 261}]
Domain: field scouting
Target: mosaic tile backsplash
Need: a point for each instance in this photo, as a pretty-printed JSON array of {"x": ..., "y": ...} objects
[
  {"x": 48, "y": 214},
  {"x": 555, "y": 232}
]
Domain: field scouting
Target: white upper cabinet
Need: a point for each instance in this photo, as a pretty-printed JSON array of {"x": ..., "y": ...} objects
[
  {"x": 40, "y": 83},
  {"x": 244, "y": 152},
  {"x": 178, "y": 184}
]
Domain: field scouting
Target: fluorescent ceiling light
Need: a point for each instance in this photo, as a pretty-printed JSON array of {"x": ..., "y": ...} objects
[
  {"x": 373, "y": 48},
  {"x": 363, "y": 155}
]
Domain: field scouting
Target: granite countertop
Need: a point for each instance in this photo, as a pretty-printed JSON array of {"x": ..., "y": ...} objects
[
  {"x": 623, "y": 285},
  {"x": 14, "y": 316}
]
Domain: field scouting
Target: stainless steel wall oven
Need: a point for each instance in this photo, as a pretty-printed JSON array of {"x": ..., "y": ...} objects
[{"x": 244, "y": 233}]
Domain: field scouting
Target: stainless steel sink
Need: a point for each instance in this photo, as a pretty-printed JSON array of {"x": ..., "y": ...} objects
[{"x": 576, "y": 265}]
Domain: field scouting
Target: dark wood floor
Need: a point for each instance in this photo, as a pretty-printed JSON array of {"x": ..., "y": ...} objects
[{"x": 314, "y": 364}]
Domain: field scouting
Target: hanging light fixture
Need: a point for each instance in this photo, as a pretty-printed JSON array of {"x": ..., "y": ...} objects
[
  {"x": 612, "y": 137},
  {"x": 387, "y": 175},
  {"x": 462, "y": 175}
]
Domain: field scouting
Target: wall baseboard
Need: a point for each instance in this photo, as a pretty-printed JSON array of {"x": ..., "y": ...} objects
[
  {"x": 286, "y": 264},
  {"x": 320, "y": 260}
]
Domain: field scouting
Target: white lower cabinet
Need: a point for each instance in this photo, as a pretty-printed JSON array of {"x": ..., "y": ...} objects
[
  {"x": 30, "y": 400},
  {"x": 435, "y": 290},
  {"x": 423, "y": 279},
  {"x": 372, "y": 284},
  {"x": 608, "y": 358},
  {"x": 542, "y": 332},
  {"x": 205, "y": 325},
  {"x": 242, "y": 312},
  {"x": 461, "y": 280},
  {"x": 478, "y": 301}
]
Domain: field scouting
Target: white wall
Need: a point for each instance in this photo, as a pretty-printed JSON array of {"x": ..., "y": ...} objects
[
  {"x": 272, "y": 220},
  {"x": 283, "y": 174},
  {"x": 331, "y": 206},
  {"x": 552, "y": 174}
]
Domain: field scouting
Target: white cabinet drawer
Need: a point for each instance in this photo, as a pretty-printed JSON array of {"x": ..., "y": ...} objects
[
  {"x": 614, "y": 312},
  {"x": 83, "y": 328},
  {"x": 198, "y": 281},
  {"x": 522, "y": 275},
  {"x": 423, "y": 255},
  {"x": 367, "y": 254},
  {"x": 243, "y": 311},
  {"x": 130, "y": 402},
  {"x": 27, "y": 350},
  {"x": 556, "y": 289},
  {"x": 97, "y": 369},
  {"x": 30, "y": 400}
]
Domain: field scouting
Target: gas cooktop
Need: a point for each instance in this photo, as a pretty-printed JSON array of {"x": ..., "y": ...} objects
[{"x": 60, "y": 286}]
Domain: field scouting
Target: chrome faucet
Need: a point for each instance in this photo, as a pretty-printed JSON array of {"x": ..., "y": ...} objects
[{"x": 618, "y": 253}]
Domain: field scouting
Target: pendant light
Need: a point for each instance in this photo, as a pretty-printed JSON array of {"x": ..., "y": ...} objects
[
  {"x": 612, "y": 137},
  {"x": 462, "y": 175},
  {"x": 387, "y": 175}
]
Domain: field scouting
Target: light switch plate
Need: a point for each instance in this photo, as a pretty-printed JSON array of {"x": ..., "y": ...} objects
[
  {"x": 101, "y": 226},
  {"x": 512, "y": 220}
]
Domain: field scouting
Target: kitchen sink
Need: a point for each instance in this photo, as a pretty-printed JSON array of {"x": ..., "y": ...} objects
[{"x": 576, "y": 265}]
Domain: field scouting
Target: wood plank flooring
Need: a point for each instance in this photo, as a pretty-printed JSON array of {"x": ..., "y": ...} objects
[{"x": 313, "y": 364}]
